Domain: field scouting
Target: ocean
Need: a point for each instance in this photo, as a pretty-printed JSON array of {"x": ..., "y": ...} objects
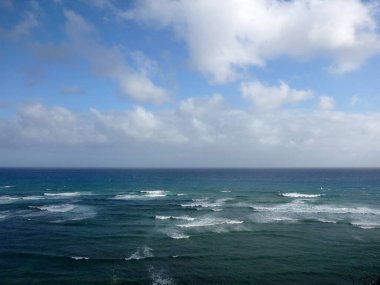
[{"x": 189, "y": 226}]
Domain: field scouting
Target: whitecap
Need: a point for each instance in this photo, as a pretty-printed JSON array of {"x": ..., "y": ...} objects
[
  {"x": 186, "y": 218},
  {"x": 206, "y": 203},
  {"x": 365, "y": 224},
  {"x": 154, "y": 193},
  {"x": 8, "y": 199},
  {"x": 7, "y": 186},
  {"x": 141, "y": 253},
  {"x": 300, "y": 195},
  {"x": 63, "y": 194},
  {"x": 226, "y": 191},
  {"x": 56, "y": 208},
  {"x": 175, "y": 234},
  {"x": 209, "y": 221},
  {"x": 79, "y": 257},
  {"x": 32, "y": 198}
]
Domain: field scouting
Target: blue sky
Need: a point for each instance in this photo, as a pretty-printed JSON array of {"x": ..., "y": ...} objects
[{"x": 190, "y": 83}]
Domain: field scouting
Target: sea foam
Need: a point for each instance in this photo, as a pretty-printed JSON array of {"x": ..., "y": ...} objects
[
  {"x": 63, "y": 194},
  {"x": 56, "y": 208},
  {"x": 186, "y": 218},
  {"x": 141, "y": 253},
  {"x": 210, "y": 221},
  {"x": 300, "y": 195}
]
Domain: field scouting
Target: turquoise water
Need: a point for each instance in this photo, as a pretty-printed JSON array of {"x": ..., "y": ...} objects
[{"x": 206, "y": 226}]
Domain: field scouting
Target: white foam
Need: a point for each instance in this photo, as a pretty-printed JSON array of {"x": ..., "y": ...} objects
[
  {"x": 365, "y": 224},
  {"x": 154, "y": 193},
  {"x": 63, "y": 194},
  {"x": 300, "y": 195},
  {"x": 181, "y": 194},
  {"x": 8, "y": 199},
  {"x": 79, "y": 257},
  {"x": 160, "y": 278},
  {"x": 226, "y": 191},
  {"x": 206, "y": 203},
  {"x": 300, "y": 206},
  {"x": 7, "y": 186},
  {"x": 56, "y": 208},
  {"x": 33, "y": 198},
  {"x": 141, "y": 253},
  {"x": 186, "y": 218},
  {"x": 174, "y": 234},
  {"x": 209, "y": 221}
]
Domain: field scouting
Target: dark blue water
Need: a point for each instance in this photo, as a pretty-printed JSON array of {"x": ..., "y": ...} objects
[{"x": 206, "y": 226}]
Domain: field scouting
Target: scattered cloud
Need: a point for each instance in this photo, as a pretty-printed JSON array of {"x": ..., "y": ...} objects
[
  {"x": 111, "y": 62},
  {"x": 24, "y": 27},
  {"x": 255, "y": 32},
  {"x": 326, "y": 103},
  {"x": 265, "y": 97}
]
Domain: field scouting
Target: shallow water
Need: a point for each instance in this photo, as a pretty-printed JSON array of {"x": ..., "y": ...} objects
[{"x": 206, "y": 226}]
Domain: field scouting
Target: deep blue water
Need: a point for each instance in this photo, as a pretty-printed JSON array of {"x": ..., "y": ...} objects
[{"x": 189, "y": 226}]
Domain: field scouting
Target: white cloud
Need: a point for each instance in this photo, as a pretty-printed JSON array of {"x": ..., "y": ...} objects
[
  {"x": 36, "y": 124},
  {"x": 110, "y": 62},
  {"x": 226, "y": 37},
  {"x": 271, "y": 97},
  {"x": 326, "y": 103},
  {"x": 200, "y": 132}
]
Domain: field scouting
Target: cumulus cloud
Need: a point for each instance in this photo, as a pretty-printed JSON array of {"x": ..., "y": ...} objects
[
  {"x": 202, "y": 131},
  {"x": 36, "y": 124},
  {"x": 326, "y": 103},
  {"x": 270, "y": 97},
  {"x": 226, "y": 37},
  {"x": 110, "y": 62}
]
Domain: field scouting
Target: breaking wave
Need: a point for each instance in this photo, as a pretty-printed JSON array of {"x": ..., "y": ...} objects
[
  {"x": 300, "y": 195},
  {"x": 186, "y": 218},
  {"x": 141, "y": 253},
  {"x": 63, "y": 194},
  {"x": 210, "y": 221}
]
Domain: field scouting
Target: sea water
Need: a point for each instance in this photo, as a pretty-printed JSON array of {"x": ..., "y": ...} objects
[{"x": 189, "y": 226}]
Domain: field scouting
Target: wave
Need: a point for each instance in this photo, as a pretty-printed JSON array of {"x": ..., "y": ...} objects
[
  {"x": 79, "y": 257},
  {"x": 366, "y": 224},
  {"x": 55, "y": 208},
  {"x": 63, "y": 194},
  {"x": 302, "y": 207},
  {"x": 208, "y": 221},
  {"x": 7, "y": 186},
  {"x": 141, "y": 253},
  {"x": 181, "y": 194},
  {"x": 300, "y": 195},
  {"x": 175, "y": 234},
  {"x": 206, "y": 203},
  {"x": 299, "y": 210},
  {"x": 226, "y": 191},
  {"x": 186, "y": 218},
  {"x": 152, "y": 194},
  {"x": 11, "y": 199},
  {"x": 8, "y": 199}
]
